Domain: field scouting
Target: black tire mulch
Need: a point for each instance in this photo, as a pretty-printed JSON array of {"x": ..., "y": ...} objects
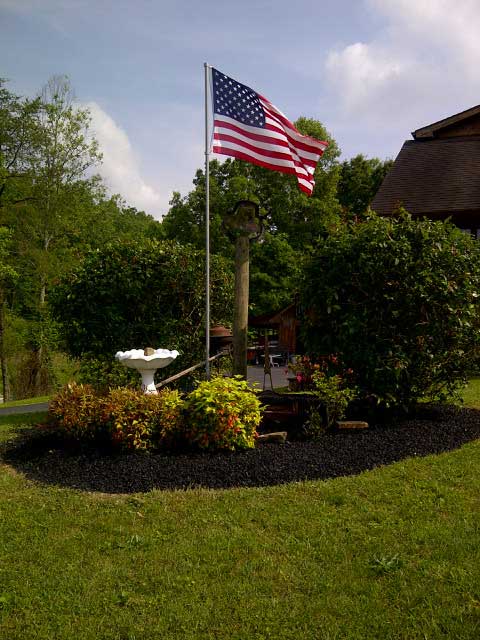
[{"x": 341, "y": 453}]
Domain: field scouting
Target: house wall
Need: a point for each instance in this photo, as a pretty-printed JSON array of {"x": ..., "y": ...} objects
[
  {"x": 287, "y": 331},
  {"x": 470, "y": 127}
]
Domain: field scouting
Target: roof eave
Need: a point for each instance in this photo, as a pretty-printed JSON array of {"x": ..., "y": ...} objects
[{"x": 430, "y": 130}]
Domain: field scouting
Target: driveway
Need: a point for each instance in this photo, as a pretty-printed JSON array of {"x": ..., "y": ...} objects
[
  {"x": 279, "y": 377},
  {"x": 25, "y": 408}
]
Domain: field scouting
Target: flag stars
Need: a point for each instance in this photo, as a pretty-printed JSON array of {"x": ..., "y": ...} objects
[{"x": 232, "y": 99}]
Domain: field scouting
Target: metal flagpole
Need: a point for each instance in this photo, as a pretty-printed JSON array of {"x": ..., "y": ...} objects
[{"x": 207, "y": 230}]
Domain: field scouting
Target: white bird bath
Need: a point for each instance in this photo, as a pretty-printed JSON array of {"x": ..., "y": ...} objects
[{"x": 146, "y": 362}]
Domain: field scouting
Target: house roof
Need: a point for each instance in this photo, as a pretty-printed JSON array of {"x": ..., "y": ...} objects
[
  {"x": 439, "y": 176},
  {"x": 432, "y": 130}
]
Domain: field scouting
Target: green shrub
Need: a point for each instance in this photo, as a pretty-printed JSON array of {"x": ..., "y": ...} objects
[
  {"x": 219, "y": 414},
  {"x": 138, "y": 421},
  {"x": 127, "y": 418},
  {"x": 222, "y": 413},
  {"x": 398, "y": 301},
  {"x": 333, "y": 394},
  {"x": 75, "y": 412},
  {"x": 107, "y": 373},
  {"x": 138, "y": 294}
]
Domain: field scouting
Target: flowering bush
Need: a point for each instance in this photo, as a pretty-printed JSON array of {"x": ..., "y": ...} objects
[
  {"x": 138, "y": 421},
  {"x": 222, "y": 413},
  {"x": 305, "y": 368},
  {"x": 125, "y": 417},
  {"x": 399, "y": 299},
  {"x": 219, "y": 414},
  {"x": 332, "y": 385},
  {"x": 75, "y": 412}
]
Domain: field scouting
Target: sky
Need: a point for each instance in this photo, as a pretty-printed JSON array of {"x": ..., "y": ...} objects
[{"x": 371, "y": 71}]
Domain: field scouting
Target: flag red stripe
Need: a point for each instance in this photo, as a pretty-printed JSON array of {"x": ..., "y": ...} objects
[
  {"x": 265, "y": 153},
  {"x": 272, "y": 109},
  {"x": 317, "y": 149},
  {"x": 253, "y": 136},
  {"x": 248, "y": 158},
  {"x": 258, "y": 137},
  {"x": 280, "y": 141},
  {"x": 293, "y": 143}
]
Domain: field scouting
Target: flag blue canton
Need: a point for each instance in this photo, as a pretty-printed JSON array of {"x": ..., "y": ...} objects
[{"x": 237, "y": 101}]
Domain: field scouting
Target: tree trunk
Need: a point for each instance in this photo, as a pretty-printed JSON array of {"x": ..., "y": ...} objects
[
  {"x": 3, "y": 358},
  {"x": 240, "y": 319}
]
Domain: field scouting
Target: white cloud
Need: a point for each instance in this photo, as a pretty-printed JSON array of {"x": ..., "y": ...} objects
[
  {"x": 121, "y": 168},
  {"x": 358, "y": 72},
  {"x": 446, "y": 24},
  {"x": 422, "y": 65}
]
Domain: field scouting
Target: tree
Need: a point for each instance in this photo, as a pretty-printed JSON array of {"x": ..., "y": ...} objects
[
  {"x": 65, "y": 151},
  {"x": 360, "y": 179},
  {"x": 185, "y": 221},
  {"x": 286, "y": 209},
  {"x": 275, "y": 273},
  {"x": 139, "y": 294},
  {"x": 289, "y": 215},
  {"x": 56, "y": 211},
  {"x": 18, "y": 126},
  {"x": 7, "y": 276},
  {"x": 59, "y": 152},
  {"x": 398, "y": 301}
]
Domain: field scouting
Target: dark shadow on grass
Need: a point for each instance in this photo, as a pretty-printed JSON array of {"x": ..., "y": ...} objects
[{"x": 433, "y": 430}]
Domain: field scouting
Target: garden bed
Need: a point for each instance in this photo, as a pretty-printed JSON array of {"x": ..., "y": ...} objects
[{"x": 433, "y": 430}]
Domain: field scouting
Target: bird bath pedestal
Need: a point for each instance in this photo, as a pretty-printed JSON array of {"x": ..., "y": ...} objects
[{"x": 146, "y": 362}]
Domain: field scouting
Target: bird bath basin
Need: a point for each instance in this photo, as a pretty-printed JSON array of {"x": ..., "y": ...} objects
[{"x": 146, "y": 362}]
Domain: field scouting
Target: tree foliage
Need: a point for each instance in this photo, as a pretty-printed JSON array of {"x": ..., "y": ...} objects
[
  {"x": 292, "y": 220},
  {"x": 7, "y": 276},
  {"x": 18, "y": 131},
  {"x": 398, "y": 300},
  {"x": 275, "y": 273},
  {"x": 55, "y": 210},
  {"x": 360, "y": 179},
  {"x": 139, "y": 294},
  {"x": 285, "y": 208}
]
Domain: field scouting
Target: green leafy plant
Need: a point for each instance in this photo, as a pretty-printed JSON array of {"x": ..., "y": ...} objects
[
  {"x": 75, "y": 412},
  {"x": 222, "y": 413},
  {"x": 315, "y": 426},
  {"x": 138, "y": 421},
  {"x": 141, "y": 293},
  {"x": 398, "y": 300},
  {"x": 127, "y": 418},
  {"x": 334, "y": 395}
]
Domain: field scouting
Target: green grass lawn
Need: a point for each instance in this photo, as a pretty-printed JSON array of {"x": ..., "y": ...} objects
[
  {"x": 26, "y": 401},
  {"x": 391, "y": 554},
  {"x": 471, "y": 395}
]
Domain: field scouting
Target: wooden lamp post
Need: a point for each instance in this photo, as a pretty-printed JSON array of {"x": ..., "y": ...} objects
[{"x": 242, "y": 225}]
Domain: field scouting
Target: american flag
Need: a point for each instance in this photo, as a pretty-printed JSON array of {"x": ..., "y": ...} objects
[{"x": 248, "y": 126}]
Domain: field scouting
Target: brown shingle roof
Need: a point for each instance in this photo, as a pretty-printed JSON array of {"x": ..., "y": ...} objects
[{"x": 433, "y": 176}]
